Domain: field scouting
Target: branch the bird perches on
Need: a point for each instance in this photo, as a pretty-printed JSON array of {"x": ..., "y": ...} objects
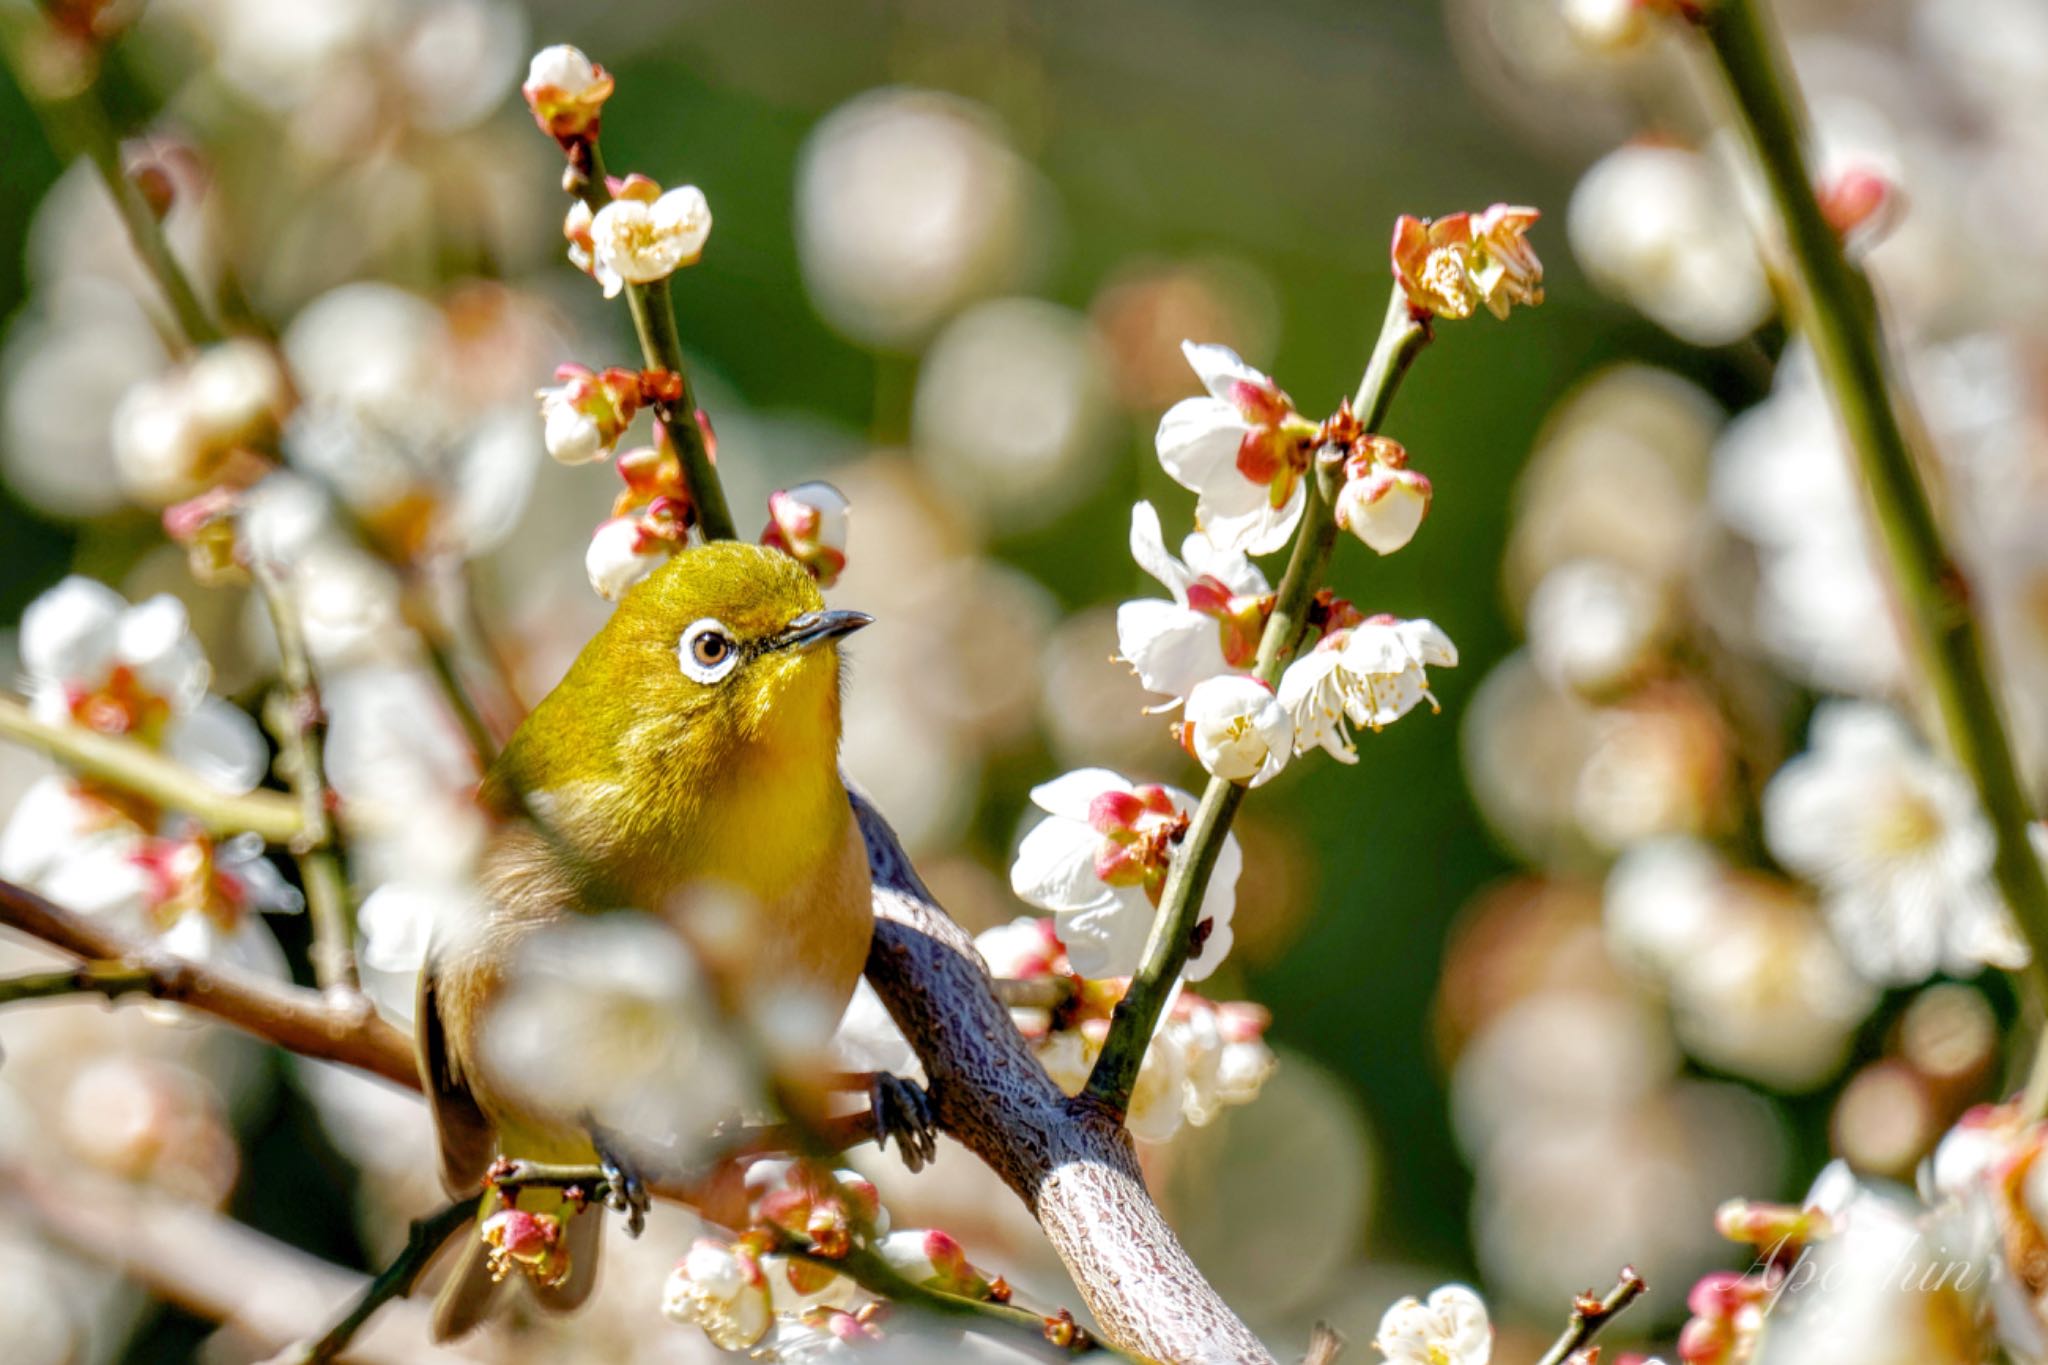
[{"x": 1068, "y": 1159}]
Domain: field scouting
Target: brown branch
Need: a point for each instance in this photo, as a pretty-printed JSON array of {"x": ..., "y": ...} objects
[
  {"x": 1589, "y": 1315},
  {"x": 1069, "y": 1160},
  {"x": 290, "y": 1016}
]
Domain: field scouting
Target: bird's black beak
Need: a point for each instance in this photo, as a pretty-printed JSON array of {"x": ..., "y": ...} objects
[{"x": 815, "y": 628}]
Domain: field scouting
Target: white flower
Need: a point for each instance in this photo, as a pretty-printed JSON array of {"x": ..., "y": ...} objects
[
  {"x": 235, "y": 390},
  {"x": 1895, "y": 841},
  {"x": 95, "y": 661},
  {"x": 1099, "y": 861},
  {"x": 1242, "y": 450},
  {"x": 721, "y": 1289},
  {"x": 571, "y": 435},
  {"x": 1373, "y": 673},
  {"x": 1383, "y": 505},
  {"x": 1227, "y": 1060},
  {"x": 160, "y": 449},
  {"x": 1211, "y": 626},
  {"x": 621, "y": 554},
  {"x": 638, "y": 242},
  {"x": 1451, "y": 1329},
  {"x": 1237, "y": 730},
  {"x": 606, "y": 1017},
  {"x": 1661, "y": 228},
  {"x": 1592, "y": 624},
  {"x": 1159, "y": 1096}
]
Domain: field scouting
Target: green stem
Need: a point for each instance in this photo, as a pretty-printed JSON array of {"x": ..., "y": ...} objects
[
  {"x": 110, "y": 979},
  {"x": 426, "y": 1237},
  {"x": 1115, "y": 1075},
  {"x": 1839, "y": 315},
  {"x": 1589, "y": 1315},
  {"x": 67, "y": 103},
  {"x": 654, "y": 320},
  {"x": 141, "y": 771},
  {"x": 300, "y": 723}
]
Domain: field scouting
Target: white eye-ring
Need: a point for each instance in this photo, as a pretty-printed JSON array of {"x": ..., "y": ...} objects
[{"x": 708, "y": 651}]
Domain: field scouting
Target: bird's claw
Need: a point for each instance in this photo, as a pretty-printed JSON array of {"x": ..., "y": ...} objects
[
  {"x": 625, "y": 1192},
  {"x": 902, "y": 1110}
]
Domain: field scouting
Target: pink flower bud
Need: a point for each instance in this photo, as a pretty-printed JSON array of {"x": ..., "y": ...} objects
[
  {"x": 1383, "y": 506},
  {"x": 1861, "y": 205},
  {"x": 809, "y": 522},
  {"x": 566, "y": 92}
]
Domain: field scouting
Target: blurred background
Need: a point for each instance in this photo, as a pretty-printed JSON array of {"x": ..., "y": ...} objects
[{"x": 957, "y": 246}]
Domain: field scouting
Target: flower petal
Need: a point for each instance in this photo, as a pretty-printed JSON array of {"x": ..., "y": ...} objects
[
  {"x": 71, "y": 631},
  {"x": 1148, "y": 548},
  {"x": 1172, "y": 649},
  {"x": 1071, "y": 794},
  {"x": 1055, "y": 867},
  {"x": 1108, "y": 937},
  {"x": 220, "y": 743},
  {"x": 1197, "y": 443},
  {"x": 1221, "y": 369}
]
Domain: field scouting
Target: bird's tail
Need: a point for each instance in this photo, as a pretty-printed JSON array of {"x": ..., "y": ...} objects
[{"x": 472, "y": 1288}]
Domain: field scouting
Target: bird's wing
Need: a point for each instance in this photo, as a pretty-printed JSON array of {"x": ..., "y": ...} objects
[{"x": 468, "y": 1141}]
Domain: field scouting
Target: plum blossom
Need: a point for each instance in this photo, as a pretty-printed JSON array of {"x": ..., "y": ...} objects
[
  {"x": 1451, "y": 266},
  {"x": 625, "y": 549},
  {"x": 1895, "y": 841},
  {"x": 719, "y": 1287},
  {"x": 808, "y": 522},
  {"x": 645, "y": 235},
  {"x": 1237, "y": 730},
  {"x": 1450, "y": 1329},
  {"x": 1205, "y": 1057},
  {"x": 583, "y": 416},
  {"x": 1212, "y": 625},
  {"x": 1099, "y": 862},
  {"x": 566, "y": 92},
  {"x": 1242, "y": 450},
  {"x": 1372, "y": 674},
  {"x": 1383, "y": 501}
]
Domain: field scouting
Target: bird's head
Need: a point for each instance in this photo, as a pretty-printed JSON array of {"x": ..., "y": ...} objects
[{"x": 721, "y": 666}]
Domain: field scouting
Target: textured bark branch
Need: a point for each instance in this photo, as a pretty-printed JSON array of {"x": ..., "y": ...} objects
[
  {"x": 1069, "y": 1160},
  {"x": 290, "y": 1016}
]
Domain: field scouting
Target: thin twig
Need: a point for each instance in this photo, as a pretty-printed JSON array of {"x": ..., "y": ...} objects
[
  {"x": 1839, "y": 315},
  {"x": 110, "y": 979},
  {"x": 141, "y": 771},
  {"x": 301, "y": 1020},
  {"x": 300, "y": 724},
  {"x": 1115, "y": 1074},
  {"x": 67, "y": 103},
  {"x": 1589, "y": 1315},
  {"x": 423, "y": 1239},
  {"x": 654, "y": 320}
]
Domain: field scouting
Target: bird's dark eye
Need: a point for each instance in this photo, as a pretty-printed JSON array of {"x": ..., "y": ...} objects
[
  {"x": 710, "y": 648},
  {"x": 707, "y": 651}
]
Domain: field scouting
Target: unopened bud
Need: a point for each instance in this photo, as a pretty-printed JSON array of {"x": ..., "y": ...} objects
[
  {"x": 566, "y": 92},
  {"x": 809, "y": 523}
]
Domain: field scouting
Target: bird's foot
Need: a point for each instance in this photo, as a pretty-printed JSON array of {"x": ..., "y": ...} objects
[
  {"x": 625, "y": 1189},
  {"x": 901, "y": 1109}
]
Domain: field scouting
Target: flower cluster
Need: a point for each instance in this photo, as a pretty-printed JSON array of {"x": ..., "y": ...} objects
[
  {"x": 1206, "y": 1056},
  {"x": 1454, "y": 265},
  {"x": 200, "y": 424},
  {"x": 774, "y": 1288},
  {"x": 586, "y": 413},
  {"x": 95, "y": 662}
]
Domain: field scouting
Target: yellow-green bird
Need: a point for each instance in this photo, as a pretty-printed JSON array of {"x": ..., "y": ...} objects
[{"x": 694, "y": 741}]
